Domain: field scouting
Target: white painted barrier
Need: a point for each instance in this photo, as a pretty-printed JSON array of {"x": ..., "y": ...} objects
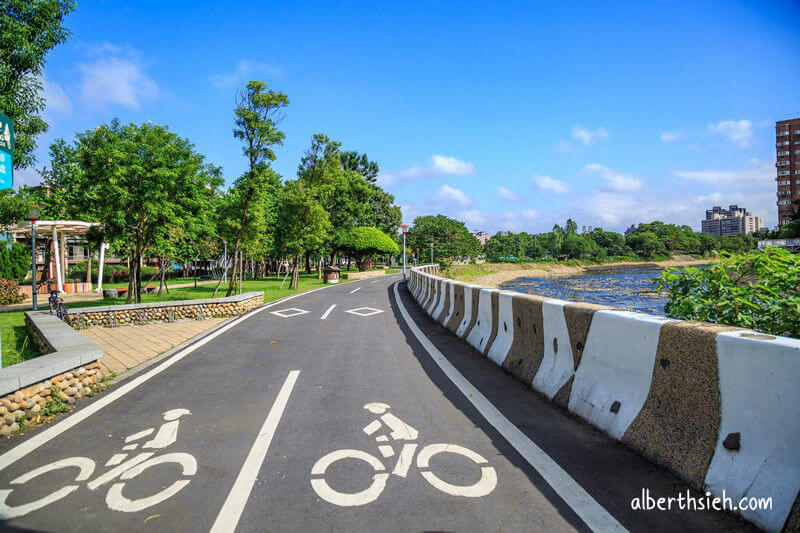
[
  {"x": 452, "y": 288},
  {"x": 616, "y": 366},
  {"x": 442, "y": 297},
  {"x": 482, "y": 330},
  {"x": 505, "y": 328},
  {"x": 558, "y": 363},
  {"x": 759, "y": 385},
  {"x": 435, "y": 294},
  {"x": 462, "y": 328}
]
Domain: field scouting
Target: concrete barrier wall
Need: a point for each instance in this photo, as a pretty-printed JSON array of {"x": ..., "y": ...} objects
[{"x": 718, "y": 406}]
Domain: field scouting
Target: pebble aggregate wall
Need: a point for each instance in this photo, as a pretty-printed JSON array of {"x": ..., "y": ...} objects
[
  {"x": 716, "y": 405},
  {"x": 116, "y": 315}
]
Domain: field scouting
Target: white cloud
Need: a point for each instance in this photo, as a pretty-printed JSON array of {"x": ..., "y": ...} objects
[
  {"x": 587, "y": 137},
  {"x": 563, "y": 147},
  {"x": 759, "y": 173},
  {"x": 56, "y": 99},
  {"x": 506, "y": 194},
  {"x": 451, "y": 166},
  {"x": 450, "y": 195},
  {"x": 529, "y": 214},
  {"x": 243, "y": 72},
  {"x": 440, "y": 165},
  {"x": 670, "y": 136},
  {"x": 550, "y": 184},
  {"x": 115, "y": 77},
  {"x": 617, "y": 181},
  {"x": 737, "y": 131},
  {"x": 472, "y": 218}
]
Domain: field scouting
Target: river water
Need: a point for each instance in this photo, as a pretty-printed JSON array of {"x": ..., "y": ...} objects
[{"x": 630, "y": 288}]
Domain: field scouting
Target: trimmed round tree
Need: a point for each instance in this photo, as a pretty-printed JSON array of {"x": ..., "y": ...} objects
[{"x": 364, "y": 243}]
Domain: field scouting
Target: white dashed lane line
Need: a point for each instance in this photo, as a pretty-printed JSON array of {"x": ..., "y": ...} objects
[
  {"x": 356, "y": 289},
  {"x": 326, "y": 313}
]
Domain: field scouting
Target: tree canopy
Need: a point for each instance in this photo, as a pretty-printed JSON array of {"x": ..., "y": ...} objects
[
  {"x": 363, "y": 243},
  {"x": 451, "y": 239},
  {"x": 28, "y": 32}
]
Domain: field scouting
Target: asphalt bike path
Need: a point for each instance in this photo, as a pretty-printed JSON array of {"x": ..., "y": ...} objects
[{"x": 329, "y": 411}]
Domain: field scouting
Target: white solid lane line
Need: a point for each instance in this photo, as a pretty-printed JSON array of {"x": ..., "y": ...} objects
[
  {"x": 356, "y": 289},
  {"x": 23, "y": 449},
  {"x": 374, "y": 282},
  {"x": 587, "y": 508},
  {"x": 326, "y": 313},
  {"x": 232, "y": 510}
]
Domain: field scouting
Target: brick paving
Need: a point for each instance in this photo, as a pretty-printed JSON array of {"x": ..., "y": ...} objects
[{"x": 125, "y": 347}]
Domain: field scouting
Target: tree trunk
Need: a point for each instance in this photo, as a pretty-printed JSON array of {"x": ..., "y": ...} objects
[
  {"x": 308, "y": 262},
  {"x": 129, "y": 294},
  {"x": 319, "y": 267},
  {"x": 295, "y": 273}
]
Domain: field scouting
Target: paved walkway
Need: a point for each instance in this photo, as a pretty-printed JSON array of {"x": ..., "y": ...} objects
[{"x": 125, "y": 347}]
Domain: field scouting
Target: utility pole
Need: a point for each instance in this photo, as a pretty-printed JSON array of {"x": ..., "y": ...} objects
[{"x": 404, "y": 227}]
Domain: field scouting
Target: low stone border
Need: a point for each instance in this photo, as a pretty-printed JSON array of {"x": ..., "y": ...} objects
[
  {"x": 363, "y": 275},
  {"x": 717, "y": 406},
  {"x": 115, "y": 315}
]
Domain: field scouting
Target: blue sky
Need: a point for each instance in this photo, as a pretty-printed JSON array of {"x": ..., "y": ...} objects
[{"x": 505, "y": 115}]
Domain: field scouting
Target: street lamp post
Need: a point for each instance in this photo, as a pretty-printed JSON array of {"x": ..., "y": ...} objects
[
  {"x": 34, "y": 214},
  {"x": 404, "y": 227}
]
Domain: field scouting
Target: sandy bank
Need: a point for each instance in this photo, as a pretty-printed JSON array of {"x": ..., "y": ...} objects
[{"x": 495, "y": 274}]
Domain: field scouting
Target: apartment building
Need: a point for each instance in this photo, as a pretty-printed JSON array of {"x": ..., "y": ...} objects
[
  {"x": 787, "y": 147},
  {"x": 732, "y": 221}
]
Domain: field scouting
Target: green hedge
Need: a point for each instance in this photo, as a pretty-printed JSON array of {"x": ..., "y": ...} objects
[{"x": 15, "y": 263}]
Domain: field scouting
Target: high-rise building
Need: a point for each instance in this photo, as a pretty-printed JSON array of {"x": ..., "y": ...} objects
[
  {"x": 731, "y": 221},
  {"x": 787, "y": 145}
]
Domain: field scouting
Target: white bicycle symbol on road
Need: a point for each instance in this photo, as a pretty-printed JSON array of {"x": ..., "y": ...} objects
[
  {"x": 399, "y": 431},
  {"x": 115, "y": 499}
]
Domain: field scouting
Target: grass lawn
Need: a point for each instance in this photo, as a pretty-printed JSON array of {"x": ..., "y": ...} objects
[{"x": 17, "y": 348}]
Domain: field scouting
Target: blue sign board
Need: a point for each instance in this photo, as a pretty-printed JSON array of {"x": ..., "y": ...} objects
[{"x": 6, "y": 152}]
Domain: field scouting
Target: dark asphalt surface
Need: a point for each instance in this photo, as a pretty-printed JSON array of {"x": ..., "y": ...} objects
[{"x": 345, "y": 361}]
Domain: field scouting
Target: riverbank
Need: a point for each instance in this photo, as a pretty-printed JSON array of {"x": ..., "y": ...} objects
[{"x": 495, "y": 274}]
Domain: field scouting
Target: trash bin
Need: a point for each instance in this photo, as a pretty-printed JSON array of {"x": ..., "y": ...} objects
[{"x": 331, "y": 274}]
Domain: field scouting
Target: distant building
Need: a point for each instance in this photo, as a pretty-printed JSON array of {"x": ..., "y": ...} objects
[
  {"x": 732, "y": 221},
  {"x": 787, "y": 147},
  {"x": 482, "y": 236},
  {"x": 633, "y": 228}
]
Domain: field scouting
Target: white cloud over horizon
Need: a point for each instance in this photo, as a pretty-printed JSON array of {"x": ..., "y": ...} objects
[
  {"x": 439, "y": 165},
  {"x": 450, "y": 195},
  {"x": 548, "y": 183},
  {"x": 115, "y": 76},
  {"x": 618, "y": 181},
  {"x": 740, "y": 132},
  {"x": 243, "y": 72}
]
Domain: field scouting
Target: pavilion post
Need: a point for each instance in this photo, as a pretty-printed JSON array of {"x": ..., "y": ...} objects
[
  {"x": 103, "y": 246},
  {"x": 57, "y": 254}
]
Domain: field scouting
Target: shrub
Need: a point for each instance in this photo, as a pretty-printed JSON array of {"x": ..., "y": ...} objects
[
  {"x": 363, "y": 243},
  {"x": 9, "y": 292},
  {"x": 759, "y": 290},
  {"x": 15, "y": 263}
]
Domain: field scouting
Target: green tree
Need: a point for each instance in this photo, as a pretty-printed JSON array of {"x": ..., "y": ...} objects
[
  {"x": 302, "y": 224},
  {"x": 758, "y": 290},
  {"x": 363, "y": 243},
  {"x": 29, "y": 30},
  {"x": 258, "y": 114},
  {"x": 361, "y": 164},
  {"x": 646, "y": 243},
  {"x": 140, "y": 181},
  {"x": 451, "y": 239}
]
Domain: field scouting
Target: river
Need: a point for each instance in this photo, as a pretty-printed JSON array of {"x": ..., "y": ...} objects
[{"x": 628, "y": 288}]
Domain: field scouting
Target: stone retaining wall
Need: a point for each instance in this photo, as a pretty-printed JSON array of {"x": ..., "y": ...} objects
[
  {"x": 718, "y": 406},
  {"x": 28, "y": 402},
  {"x": 117, "y": 315},
  {"x": 362, "y": 275}
]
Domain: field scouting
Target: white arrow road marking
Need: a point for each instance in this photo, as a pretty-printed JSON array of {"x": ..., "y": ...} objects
[
  {"x": 356, "y": 289},
  {"x": 326, "y": 313},
  {"x": 232, "y": 510},
  {"x": 587, "y": 508}
]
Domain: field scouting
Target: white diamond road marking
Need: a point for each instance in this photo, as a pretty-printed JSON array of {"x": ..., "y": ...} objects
[
  {"x": 364, "y": 311},
  {"x": 288, "y": 313}
]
